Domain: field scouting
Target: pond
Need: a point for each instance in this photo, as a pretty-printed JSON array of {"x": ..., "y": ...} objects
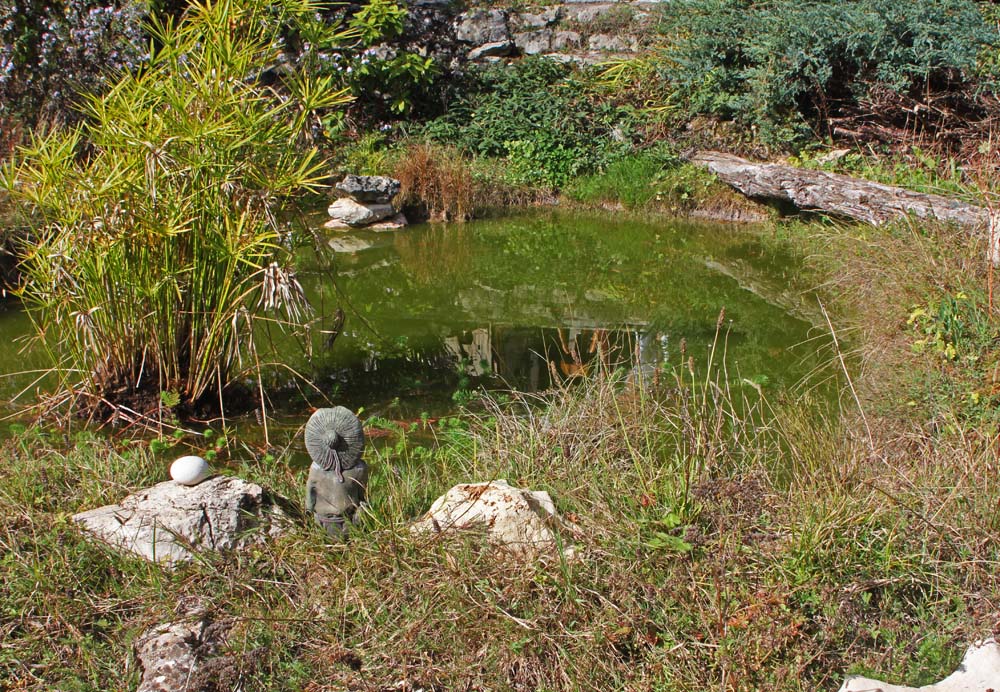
[{"x": 433, "y": 312}]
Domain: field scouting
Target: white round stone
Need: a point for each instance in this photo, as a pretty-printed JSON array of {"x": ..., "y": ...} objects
[{"x": 190, "y": 470}]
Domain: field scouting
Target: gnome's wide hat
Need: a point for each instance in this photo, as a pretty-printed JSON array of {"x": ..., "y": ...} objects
[{"x": 335, "y": 440}]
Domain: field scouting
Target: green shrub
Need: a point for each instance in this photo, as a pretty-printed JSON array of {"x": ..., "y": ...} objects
[
  {"x": 538, "y": 113},
  {"x": 155, "y": 245},
  {"x": 783, "y": 67},
  {"x": 386, "y": 81}
]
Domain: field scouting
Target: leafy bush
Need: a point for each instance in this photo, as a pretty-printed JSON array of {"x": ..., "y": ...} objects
[
  {"x": 782, "y": 67},
  {"x": 386, "y": 82},
  {"x": 153, "y": 256},
  {"x": 538, "y": 113}
]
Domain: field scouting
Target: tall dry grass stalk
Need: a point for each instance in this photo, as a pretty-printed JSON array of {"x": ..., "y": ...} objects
[
  {"x": 437, "y": 179},
  {"x": 442, "y": 185}
]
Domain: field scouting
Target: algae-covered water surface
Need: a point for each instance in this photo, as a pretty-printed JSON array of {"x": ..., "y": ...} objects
[{"x": 431, "y": 312}]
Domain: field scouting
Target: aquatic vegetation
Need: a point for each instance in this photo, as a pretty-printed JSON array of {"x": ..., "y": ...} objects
[{"x": 155, "y": 245}]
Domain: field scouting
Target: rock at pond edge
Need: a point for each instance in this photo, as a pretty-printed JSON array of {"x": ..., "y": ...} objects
[{"x": 978, "y": 672}]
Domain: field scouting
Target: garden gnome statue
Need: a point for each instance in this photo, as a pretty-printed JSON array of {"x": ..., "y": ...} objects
[{"x": 338, "y": 477}]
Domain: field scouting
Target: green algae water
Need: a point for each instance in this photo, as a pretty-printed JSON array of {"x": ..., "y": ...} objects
[
  {"x": 523, "y": 302},
  {"x": 433, "y": 312}
]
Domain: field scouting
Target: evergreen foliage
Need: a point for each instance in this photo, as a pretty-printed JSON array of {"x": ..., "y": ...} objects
[
  {"x": 782, "y": 67},
  {"x": 538, "y": 114},
  {"x": 50, "y": 52}
]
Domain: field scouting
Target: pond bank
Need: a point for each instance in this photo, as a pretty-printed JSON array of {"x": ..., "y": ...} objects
[{"x": 722, "y": 545}]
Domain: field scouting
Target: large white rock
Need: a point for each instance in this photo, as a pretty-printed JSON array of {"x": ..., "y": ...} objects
[
  {"x": 978, "y": 672},
  {"x": 169, "y": 522},
  {"x": 517, "y": 519},
  {"x": 356, "y": 214}
]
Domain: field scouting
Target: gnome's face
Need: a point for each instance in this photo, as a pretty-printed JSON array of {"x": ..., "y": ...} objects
[{"x": 333, "y": 503}]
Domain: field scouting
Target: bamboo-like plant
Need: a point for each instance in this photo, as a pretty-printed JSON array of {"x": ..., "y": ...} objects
[{"x": 155, "y": 244}]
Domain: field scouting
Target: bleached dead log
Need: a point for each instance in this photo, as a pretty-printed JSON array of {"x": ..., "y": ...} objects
[{"x": 835, "y": 194}]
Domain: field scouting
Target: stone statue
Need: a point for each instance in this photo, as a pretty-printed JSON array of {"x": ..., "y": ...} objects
[{"x": 338, "y": 478}]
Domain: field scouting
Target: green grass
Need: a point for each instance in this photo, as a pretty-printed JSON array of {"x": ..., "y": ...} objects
[
  {"x": 657, "y": 181},
  {"x": 725, "y": 542}
]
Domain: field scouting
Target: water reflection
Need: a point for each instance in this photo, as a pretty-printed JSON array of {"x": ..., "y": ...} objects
[{"x": 522, "y": 303}]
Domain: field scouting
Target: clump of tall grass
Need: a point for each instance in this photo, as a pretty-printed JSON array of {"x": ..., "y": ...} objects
[
  {"x": 437, "y": 179},
  {"x": 440, "y": 184},
  {"x": 155, "y": 246}
]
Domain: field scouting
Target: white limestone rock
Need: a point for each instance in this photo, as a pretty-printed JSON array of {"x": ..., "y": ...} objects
[
  {"x": 517, "y": 519},
  {"x": 356, "y": 214},
  {"x": 978, "y": 672},
  {"x": 169, "y": 522},
  {"x": 534, "y": 42},
  {"x": 481, "y": 26}
]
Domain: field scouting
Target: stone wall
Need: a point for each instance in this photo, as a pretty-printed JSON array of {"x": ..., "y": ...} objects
[{"x": 582, "y": 32}]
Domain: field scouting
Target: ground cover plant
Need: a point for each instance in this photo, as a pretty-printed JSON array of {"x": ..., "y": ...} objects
[
  {"x": 538, "y": 115},
  {"x": 154, "y": 243},
  {"x": 51, "y": 52}
]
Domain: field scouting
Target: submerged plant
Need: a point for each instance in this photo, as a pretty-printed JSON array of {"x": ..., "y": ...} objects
[{"x": 155, "y": 244}]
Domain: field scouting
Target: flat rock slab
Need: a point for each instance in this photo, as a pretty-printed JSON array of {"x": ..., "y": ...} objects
[
  {"x": 978, "y": 672},
  {"x": 356, "y": 214},
  {"x": 169, "y": 522},
  {"x": 514, "y": 518}
]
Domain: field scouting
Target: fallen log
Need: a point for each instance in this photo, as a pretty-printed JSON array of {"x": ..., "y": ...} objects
[{"x": 839, "y": 195}]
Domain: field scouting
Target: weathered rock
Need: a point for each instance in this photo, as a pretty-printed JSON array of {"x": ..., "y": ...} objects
[
  {"x": 169, "y": 522},
  {"x": 170, "y": 655},
  {"x": 611, "y": 44},
  {"x": 565, "y": 40},
  {"x": 356, "y": 214},
  {"x": 534, "y": 42},
  {"x": 978, "y": 672},
  {"x": 585, "y": 13},
  {"x": 519, "y": 520},
  {"x": 390, "y": 224},
  {"x": 379, "y": 189},
  {"x": 479, "y": 27},
  {"x": 497, "y": 49},
  {"x": 526, "y": 20}
]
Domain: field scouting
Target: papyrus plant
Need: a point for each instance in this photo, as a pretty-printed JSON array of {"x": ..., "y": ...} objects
[{"x": 155, "y": 245}]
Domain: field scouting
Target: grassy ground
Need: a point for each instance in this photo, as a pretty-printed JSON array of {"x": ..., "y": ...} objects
[{"x": 726, "y": 541}]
